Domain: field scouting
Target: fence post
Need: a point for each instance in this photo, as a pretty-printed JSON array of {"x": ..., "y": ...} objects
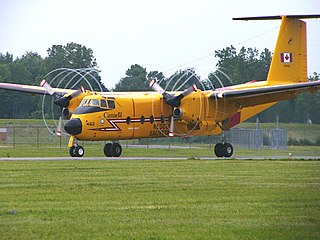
[
  {"x": 14, "y": 137},
  {"x": 37, "y": 137}
]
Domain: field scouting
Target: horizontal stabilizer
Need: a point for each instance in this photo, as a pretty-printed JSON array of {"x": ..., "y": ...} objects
[
  {"x": 243, "y": 93},
  {"x": 278, "y": 17},
  {"x": 268, "y": 94}
]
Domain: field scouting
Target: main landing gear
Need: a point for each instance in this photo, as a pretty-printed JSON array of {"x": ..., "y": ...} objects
[
  {"x": 223, "y": 148},
  {"x": 112, "y": 149}
]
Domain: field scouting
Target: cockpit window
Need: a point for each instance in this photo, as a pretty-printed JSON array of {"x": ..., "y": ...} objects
[
  {"x": 111, "y": 104},
  {"x": 84, "y": 102},
  {"x": 103, "y": 103},
  {"x": 93, "y": 103}
]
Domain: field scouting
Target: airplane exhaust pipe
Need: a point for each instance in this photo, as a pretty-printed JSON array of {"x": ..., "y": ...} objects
[
  {"x": 177, "y": 113},
  {"x": 66, "y": 113}
]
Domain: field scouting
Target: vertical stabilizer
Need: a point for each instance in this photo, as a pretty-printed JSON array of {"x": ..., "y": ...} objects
[{"x": 289, "y": 61}]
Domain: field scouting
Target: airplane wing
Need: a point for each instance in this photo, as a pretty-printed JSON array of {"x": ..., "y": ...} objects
[
  {"x": 268, "y": 94},
  {"x": 33, "y": 89}
]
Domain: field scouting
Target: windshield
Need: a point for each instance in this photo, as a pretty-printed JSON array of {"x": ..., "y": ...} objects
[{"x": 102, "y": 103}]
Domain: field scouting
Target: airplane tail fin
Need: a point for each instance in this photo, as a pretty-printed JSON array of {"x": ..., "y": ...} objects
[{"x": 289, "y": 61}]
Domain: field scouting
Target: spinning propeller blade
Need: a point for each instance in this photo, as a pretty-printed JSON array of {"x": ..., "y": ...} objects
[
  {"x": 58, "y": 132},
  {"x": 173, "y": 100},
  {"x": 47, "y": 86},
  {"x": 171, "y": 128}
]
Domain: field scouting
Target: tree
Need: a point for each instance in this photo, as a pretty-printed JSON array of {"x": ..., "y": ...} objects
[
  {"x": 240, "y": 67},
  {"x": 15, "y": 104},
  {"x": 181, "y": 80},
  {"x": 134, "y": 81},
  {"x": 72, "y": 55},
  {"x": 8, "y": 58}
]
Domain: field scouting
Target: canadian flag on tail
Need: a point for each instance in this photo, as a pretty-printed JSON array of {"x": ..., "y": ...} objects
[{"x": 286, "y": 57}]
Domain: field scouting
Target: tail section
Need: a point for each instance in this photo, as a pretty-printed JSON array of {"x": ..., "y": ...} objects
[{"x": 289, "y": 61}]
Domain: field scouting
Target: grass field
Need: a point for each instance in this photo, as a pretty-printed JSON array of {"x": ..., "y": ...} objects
[{"x": 189, "y": 199}]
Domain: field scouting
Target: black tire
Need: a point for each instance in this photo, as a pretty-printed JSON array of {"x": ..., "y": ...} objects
[
  {"x": 72, "y": 151},
  {"x": 116, "y": 149},
  {"x": 108, "y": 150},
  {"x": 219, "y": 150},
  {"x": 227, "y": 149},
  {"x": 79, "y": 151}
]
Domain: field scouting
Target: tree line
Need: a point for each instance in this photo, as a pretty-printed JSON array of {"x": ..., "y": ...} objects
[{"x": 233, "y": 67}]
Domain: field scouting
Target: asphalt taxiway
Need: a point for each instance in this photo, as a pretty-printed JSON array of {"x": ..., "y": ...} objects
[{"x": 157, "y": 158}]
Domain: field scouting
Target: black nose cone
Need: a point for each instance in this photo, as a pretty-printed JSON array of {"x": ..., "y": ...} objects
[{"x": 73, "y": 126}]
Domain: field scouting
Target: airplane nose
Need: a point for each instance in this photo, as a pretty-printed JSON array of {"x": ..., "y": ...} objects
[{"x": 73, "y": 126}]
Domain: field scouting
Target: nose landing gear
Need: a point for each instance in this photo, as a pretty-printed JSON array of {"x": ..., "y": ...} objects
[{"x": 76, "y": 151}]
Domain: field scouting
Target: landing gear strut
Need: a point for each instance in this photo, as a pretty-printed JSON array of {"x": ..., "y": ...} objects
[
  {"x": 112, "y": 149},
  {"x": 223, "y": 149}
]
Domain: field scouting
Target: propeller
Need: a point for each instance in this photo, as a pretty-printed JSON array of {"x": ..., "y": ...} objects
[
  {"x": 172, "y": 100},
  {"x": 61, "y": 100},
  {"x": 58, "y": 132}
]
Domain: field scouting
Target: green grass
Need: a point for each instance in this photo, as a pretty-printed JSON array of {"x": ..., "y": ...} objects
[{"x": 160, "y": 199}]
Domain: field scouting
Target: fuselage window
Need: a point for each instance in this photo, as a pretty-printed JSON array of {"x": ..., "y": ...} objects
[
  {"x": 162, "y": 119},
  {"x": 128, "y": 120},
  {"x": 142, "y": 119},
  {"x": 111, "y": 104},
  {"x": 151, "y": 119}
]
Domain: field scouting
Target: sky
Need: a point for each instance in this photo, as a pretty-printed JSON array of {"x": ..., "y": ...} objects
[{"x": 165, "y": 35}]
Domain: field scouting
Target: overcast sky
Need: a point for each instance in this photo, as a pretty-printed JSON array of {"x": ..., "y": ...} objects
[{"x": 165, "y": 35}]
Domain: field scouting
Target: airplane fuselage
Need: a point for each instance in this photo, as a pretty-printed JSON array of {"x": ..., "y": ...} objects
[{"x": 144, "y": 116}]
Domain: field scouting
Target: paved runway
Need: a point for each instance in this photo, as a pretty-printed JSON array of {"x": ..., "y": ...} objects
[{"x": 158, "y": 158}]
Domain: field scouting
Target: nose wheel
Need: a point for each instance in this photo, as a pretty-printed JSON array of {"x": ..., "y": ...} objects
[
  {"x": 76, "y": 151},
  {"x": 112, "y": 149}
]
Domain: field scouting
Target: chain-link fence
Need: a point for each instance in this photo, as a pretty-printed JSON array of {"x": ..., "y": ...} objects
[
  {"x": 259, "y": 138},
  {"x": 38, "y": 136},
  {"x": 34, "y": 135}
]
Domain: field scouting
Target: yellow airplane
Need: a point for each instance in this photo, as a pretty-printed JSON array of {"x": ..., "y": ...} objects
[{"x": 101, "y": 116}]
